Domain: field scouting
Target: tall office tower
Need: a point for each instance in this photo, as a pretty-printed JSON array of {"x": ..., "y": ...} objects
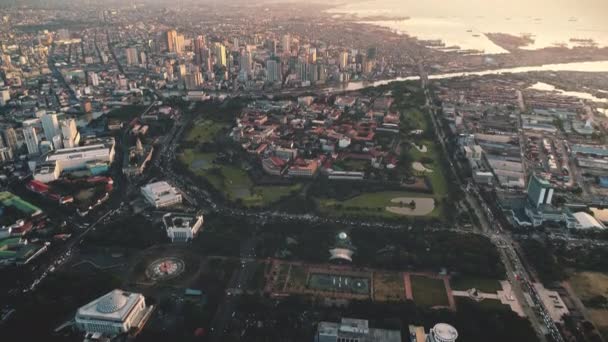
[
  {"x": 343, "y": 60},
  {"x": 31, "y": 139},
  {"x": 220, "y": 54},
  {"x": 199, "y": 44},
  {"x": 273, "y": 71},
  {"x": 181, "y": 69},
  {"x": 180, "y": 43},
  {"x": 271, "y": 45},
  {"x": 6, "y": 60},
  {"x": 540, "y": 191},
  {"x": 132, "y": 58},
  {"x": 322, "y": 72},
  {"x": 71, "y": 137},
  {"x": 286, "y": 43},
  {"x": 312, "y": 55},
  {"x": 235, "y": 44},
  {"x": 245, "y": 62},
  {"x": 50, "y": 125},
  {"x": 10, "y": 138},
  {"x": 372, "y": 52},
  {"x": 5, "y": 96},
  {"x": 303, "y": 71},
  {"x": 207, "y": 60},
  {"x": 313, "y": 73},
  {"x": 171, "y": 40}
]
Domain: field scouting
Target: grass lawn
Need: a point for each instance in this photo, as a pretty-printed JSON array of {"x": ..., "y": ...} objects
[
  {"x": 600, "y": 319},
  {"x": 590, "y": 284},
  {"x": 429, "y": 292},
  {"x": 297, "y": 278},
  {"x": 389, "y": 287},
  {"x": 373, "y": 203},
  {"x": 204, "y": 131},
  {"x": 257, "y": 281},
  {"x": 265, "y": 195},
  {"x": 416, "y": 119},
  {"x": 463, "y": 283},
  {"x": 198, "y": 162},
  {"x": 351, "y": 165}
]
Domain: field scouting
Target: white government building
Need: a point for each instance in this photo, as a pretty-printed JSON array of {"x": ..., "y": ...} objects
[
  {"x": 161, "y": 194},
  {"x": 181, "y": 227},
  {"x": 115, "y": 313}
]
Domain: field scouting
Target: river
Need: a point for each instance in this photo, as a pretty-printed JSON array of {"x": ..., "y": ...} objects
[{"x": 601, "y": 66}]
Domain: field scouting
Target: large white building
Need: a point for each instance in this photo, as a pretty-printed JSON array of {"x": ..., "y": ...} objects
[
  {"x": 351, "y": 329},
  {"x": 161, "y": 194},
  {"x": 31, "y": 139},
  {"x": 182, "y": 228},
  {"x": 50, "y": 125},
  {"x": 71, "y": 137},
  {"x": 77, "y": 158},
  {"x": 442, "y": 332},
  {"x": 115, "y": 313}
]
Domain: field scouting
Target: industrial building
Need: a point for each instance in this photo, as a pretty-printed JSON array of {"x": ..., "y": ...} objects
[
  {"x": 351, "y": 329},
  {"x": 117, "y": 312},
  {"x": 161, "y": 194}
]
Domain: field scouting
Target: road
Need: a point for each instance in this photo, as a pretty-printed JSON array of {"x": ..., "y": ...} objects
[{"x": 517, "y": 273}]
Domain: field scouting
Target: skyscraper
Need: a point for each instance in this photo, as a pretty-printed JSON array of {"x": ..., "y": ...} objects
[
  {"x": 132, "y": 58},
  {"x": 171, "y": 39},
  {"x": 286, "y": 43},
  {"x": 343, "y": 60},
  {"x": 31, "y": 139},
  {"x": 273, "y": 71},
  {"x": 50, "y": 125},
  {"x": 539, "y": 191},
  {"x": 71, "y": 137},
  {"x": 245, "y": 62},
  {"x": 10, "y": 138},
  {"x": 220, "y": 54},
  {"x": 199, "y": 44}
]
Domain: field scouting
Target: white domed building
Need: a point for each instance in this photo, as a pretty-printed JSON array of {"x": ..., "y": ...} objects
[
  {"x": 442, "y": 332},
  {"x": 113, "y": 314}
]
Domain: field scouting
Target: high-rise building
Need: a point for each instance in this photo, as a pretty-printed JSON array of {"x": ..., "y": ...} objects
[
  {"x": 273, "y": 71},
  {"x": 271, "y": 45},
  {"x": 180, "y": 43},
  {"x": 303, "y": 71},
  {"x": 5, "y": 96},
  {"x": 539, "y": 191},
  {"x": 220, "y": 54},
  {"x": 171, "y": 40},
  {"x": 207, "y": 60},
  {"x": 50, "y": 125},
  {"x": 132, "y": 57},
  {"x": 10, "y": 138},
  {"x": 31, "y": 139},
  {"x": 312, "y": 55},
  {"x": 199, "y": 44},
  {"x": 245, "y": 62},
  {"x": 71, "y": 137},
  {"x": 343, "y": 61},
  {"x": 286, "y": 43}
]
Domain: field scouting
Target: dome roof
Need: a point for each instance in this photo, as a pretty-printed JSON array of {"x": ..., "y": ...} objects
[
  {"x": 342, "y": 236},
  {"x": 112, "y": 302}
]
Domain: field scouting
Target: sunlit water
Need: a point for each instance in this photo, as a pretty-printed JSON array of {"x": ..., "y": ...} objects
[{"x": 463, "y": 22}]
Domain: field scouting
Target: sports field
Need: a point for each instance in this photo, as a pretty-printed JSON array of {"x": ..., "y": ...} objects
[{"x": 339, "y": 283}]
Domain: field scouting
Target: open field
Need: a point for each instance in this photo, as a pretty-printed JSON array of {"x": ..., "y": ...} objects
[
  {"x": 464, "y": 283},
  {"x": 590, "y": 284},
  {"x": 591, "y": 287},
  {"x": 389, "y": 287},
  {"x": 600, "y": 319},
  {"x": 204, "y": 131},
  {"x": 374, "y": 203},
  {"x": 429, "y": 292}
]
